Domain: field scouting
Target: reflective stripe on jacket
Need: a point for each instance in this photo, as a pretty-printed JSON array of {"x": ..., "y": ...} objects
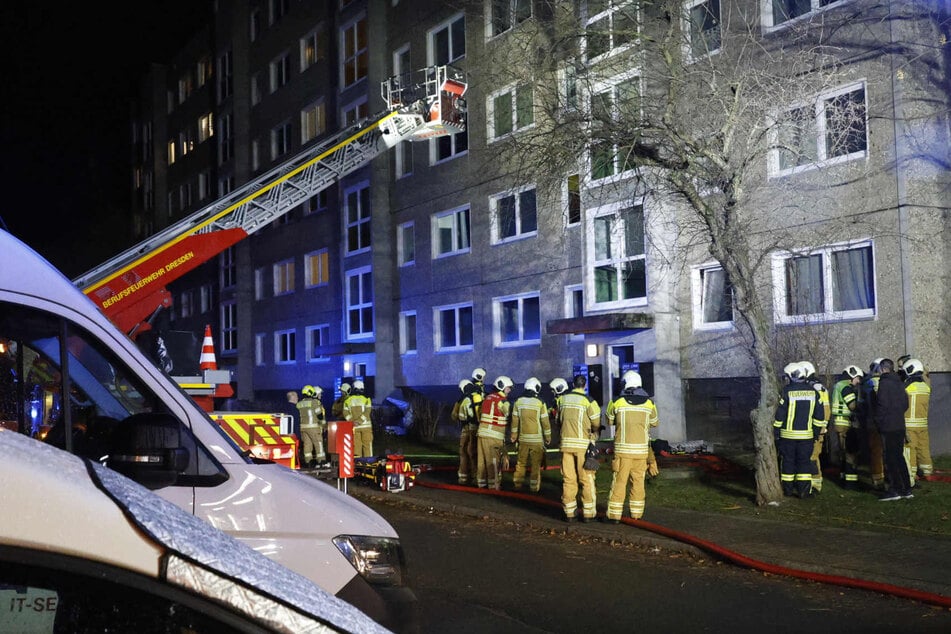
[
  {"x": 494, "y": 416},
  {"x": 580, "y": 420}
]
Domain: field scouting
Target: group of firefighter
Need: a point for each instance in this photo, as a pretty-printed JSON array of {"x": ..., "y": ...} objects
[
  {"x": 489, "y": 420},
  {"x": 883, "y": 412},
  {"x": 352, "y": 405}
]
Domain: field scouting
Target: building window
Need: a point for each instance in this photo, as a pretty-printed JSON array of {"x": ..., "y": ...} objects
[
  {"x": 360, "y": 303},
  {"x": 354, "y": 112},
  {"x": 280, "y": 71},
  {"x": 608, "y": 106},
  {"x": 448, "y": 146},
  {"x": 453, "y": 327},
  {"x": 401, "y": 60},
  {"x": 225, "y": 84},
  {"x": 283, "y": 276},
  {"x": 185, "y": 196},
  {"x": 568, "y": 100},
  {"x": 259, "y": 349},
  {"x": 451, "y": 232},
  {"x": 186, "y": 303},
  {"x": 203, "y": 71},
  {"x": 316, "y": 267},
  {"x": 205, "y": 298},
  {"x": 256, "y": 89},
  {"x": 313, "y": 49},
  {"x": 510, "y": 110},
  {"x": 227, "y": 268},
  {"x": 406, "y": 244},
  {"x": 354, "y": 55},
  {"x": 447, "y": 42},
  {"x": 703, "y": 27},
  {"x": 502, "y": 15},
  {"x": 259, "y": 283},
  {"x": 778, "y": 12},
  {"x": 403, "y": 160},
  {"x": 280, "y": 141},
  {"x": 317, "y": 337},
  {"x": 206, "y": 127},
  {"x": 254, "y": 27},
  {"x": 408, "y": 332},
  {"x": 172, "y": 153},
  {"x": 610, "y": 25},
  {"x": 277, "y": 9},
  {"x": 514, "y": 215},
  {"x": 317, "y": 202},
  {"x": 825, "y": 284},
  {"x": 358, "y": 218},
  {"x": 712, "y": 298},
  {"x": 517, "y": 320},
  {"x": 313, "y": 121},
  {"x": 225, "y": 139},
  {"x": 285, "y": 347},
  {"x": 574, "y": 305},
  {"x": 616, "y": 255},
  {"x": 225, "y": 185},
  {"x": 573, "y": 199},
  {"x": 832, "y": 129},
  {"x": 229, "y": 327}
]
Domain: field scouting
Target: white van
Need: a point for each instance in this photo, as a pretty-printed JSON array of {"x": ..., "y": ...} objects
[{"x": 123, "y": 411}]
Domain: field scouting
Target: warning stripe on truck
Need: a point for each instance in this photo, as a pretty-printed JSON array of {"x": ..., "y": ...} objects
[{"x": 261, "y": 435}]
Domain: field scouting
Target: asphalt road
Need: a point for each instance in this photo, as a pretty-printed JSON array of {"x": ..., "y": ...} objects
[{"x": 483, "y": 575}]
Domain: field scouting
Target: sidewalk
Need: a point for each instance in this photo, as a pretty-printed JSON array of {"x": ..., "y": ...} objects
[{"x": 913, "y": 566}]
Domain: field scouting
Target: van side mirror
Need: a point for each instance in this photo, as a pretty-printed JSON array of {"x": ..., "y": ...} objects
[{"x": 147, "y": 448}]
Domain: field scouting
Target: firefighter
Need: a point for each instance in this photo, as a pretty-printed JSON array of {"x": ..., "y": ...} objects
[
  {"x": 797, "y": 423},
  {"x": 464, "y": 413},
  {"x": 336, "y": 409},
  {"x": 916, "y": 420},
  {"x": 493, "y": 418},
  {"x": 811, "y": 377},
  {"x": 531, "y": 429},
  {"x": 580, "y": 426},
  {"x": 845, "y": 400},
  {"x": 478, "y": 389},
  {"x": 312, "y": 422},
  {"x": 633, "y": 413},
  {"x": 876, "y": 459},
  {"x": 356, "y": 409}
]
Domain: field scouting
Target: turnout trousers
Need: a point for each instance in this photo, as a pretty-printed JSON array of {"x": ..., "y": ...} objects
[
  {"x": 574, "y": 476},
  {"x": 628, "y": 477}
]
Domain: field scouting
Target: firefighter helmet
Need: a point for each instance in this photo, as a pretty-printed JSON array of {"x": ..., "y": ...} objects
[
  {"x": 344, "y": 388},
  {"x": 853, "y": 371},
  {"x": 873, "y": 366},
  {"x": 631, "y": 380},
  {"x": 309, "y": 390},
  {"x": 559, "y": 386},
  {"x": 478, "y": 375},
  {"x": 913, "y": 366},
  {"x": 795, "y": 371},
  {"x": 358, "y": 385},
  {"x": 463, "y": 384},
  {"x": 502, "y": 382},
  {"x": 533, "y": 385},
  {"x": 808, "y": 368}
]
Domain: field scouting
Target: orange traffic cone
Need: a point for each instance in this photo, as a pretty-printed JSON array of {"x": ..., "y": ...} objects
[{"x": 207, "y": 360}]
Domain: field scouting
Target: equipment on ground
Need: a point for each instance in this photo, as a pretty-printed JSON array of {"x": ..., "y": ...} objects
[{"x": 391, "y": 472}]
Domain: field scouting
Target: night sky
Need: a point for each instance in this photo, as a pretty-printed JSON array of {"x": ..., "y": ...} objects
[{"x": 69, "y": 70}]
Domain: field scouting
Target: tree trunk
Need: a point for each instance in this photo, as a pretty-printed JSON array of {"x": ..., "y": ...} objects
[{"x": 768, "y": 485}]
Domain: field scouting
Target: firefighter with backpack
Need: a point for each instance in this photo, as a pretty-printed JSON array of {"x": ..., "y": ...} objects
[
  {"x": 464, "y": 412},
  {"x": 532, "y": 431}
]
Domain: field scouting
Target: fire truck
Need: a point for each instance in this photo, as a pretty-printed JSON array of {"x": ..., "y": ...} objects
[{"x": 131, "y": 288}]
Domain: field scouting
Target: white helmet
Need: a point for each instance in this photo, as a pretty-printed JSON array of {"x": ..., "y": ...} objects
[
  {"x": 464, "y": 383},
  {"x": 873, "y": 366},
  {"x": 853, "y": 371},
  {"x": 808, "y": 368},
  {"x": 502, "y": 382},
  {"x": 358, "y": 384},
  {"x": 913, "y": 366},
  {"x": 533, "y": 385},
  {"x": 631, "y": 380},
  {"x": 478, "y": 374},
  {"x": 795, "y": 371},
  {"x": 559, "y": 386},
  {"x": 344, "y": 388}
]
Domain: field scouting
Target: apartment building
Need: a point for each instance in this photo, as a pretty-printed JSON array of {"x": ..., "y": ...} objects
[{"x": 457, "y": 252}]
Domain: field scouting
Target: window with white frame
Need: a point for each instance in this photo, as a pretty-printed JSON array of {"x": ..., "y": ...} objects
[
  {"x": 502, "y": 15},
  {"x": 616, "y": 255},
  {"x": 825, "y": 284},
  {"x": 285, "y": 347},
  {"x": 509, "y": 110},
  {"x": 280, "y": 71},
  {"x": 203, "y": 71},
  {"x": 514, "y": 214},
  {"x": 451, "y": 232},
  {"x": 568, "y": 98},
  {"x": 447, "y": 41},
  {"x": 573, "y": 200},
  {"x": 256, "y": 95},
  {"x": 206, "y": 127},
  {"x": 354, "y": 52},
  {"x": 702, "y": 28},
  {"x": 452, "y": 326},
  {"x": 229, "y": 327},
  {"x": 403, "y": 163},
  {"x": 313, "y": 48},
  {"x": 408, "y": 332},
  {"x": 406, "y": 244},
  {"x": 227, "y": 268},
  {"x": 313, "y": 121},
  {"x": 259, "y": 340},
  {"x": 517, "y": 320},
  {"x": 254, "y": 23},
  {"x": 608, "y": 106},
  {"x": 712, "y": 297},
  {"x": 610, "y": 26},
  {"x": 317, "y": 337},
  {"x": 172, "y": 152},
  {"x": 316, "y": 268},
  {"x": 574, "y": 304},
  {"x": 357, "y": 202},
  {"x": 280, "y": 140},
  {"x": 359, "y": 303},
  {"x": 225, "y": 83},
  {"x": 831, "y": 129},
  {"x": 777, "y": 12},
  {"x": 448, "y": 146},
  {"x": 354, "y": 111},
  {"x": 283, "y": 276}
]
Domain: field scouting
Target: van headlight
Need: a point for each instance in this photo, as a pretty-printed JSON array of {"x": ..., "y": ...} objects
[{"x": 379, "y": 560}]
